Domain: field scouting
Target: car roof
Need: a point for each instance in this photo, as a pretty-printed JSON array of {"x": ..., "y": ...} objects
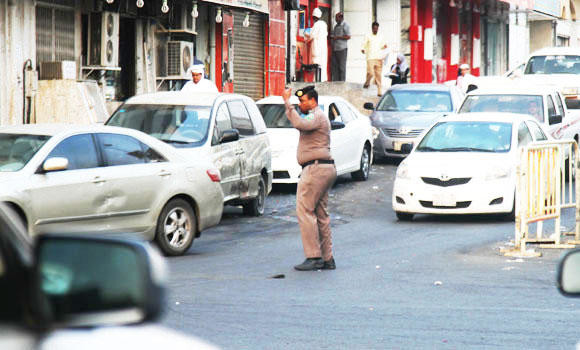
[
  {"x": 488, "y": 117},
  {"x": 514, "y": 90},
  {"x": 557, "y": 51},
  {"x": 179, "y": 98},
  {"x": 53, "y": 129},
  {"x": 322, "y": 99},
  {"x": 421, "y": 87}
]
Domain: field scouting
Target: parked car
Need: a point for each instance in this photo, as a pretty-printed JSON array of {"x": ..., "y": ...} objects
[
  {"x": 226, "y": 129},
  {"x": 97, "y": 178},
  {"x": 545, "y": 104},
  {"x": 65, "y": 292},
  {"x": 351, "y": 138},
  {"x": 406, "y": 110},
  {"x": 464, "y": 164},
  {"x": 556, "y": 66}
]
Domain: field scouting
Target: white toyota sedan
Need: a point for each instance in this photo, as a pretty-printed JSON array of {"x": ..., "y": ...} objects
[
  {"x": 464, "y": 164},
  {"x": 351, "y": 146}
]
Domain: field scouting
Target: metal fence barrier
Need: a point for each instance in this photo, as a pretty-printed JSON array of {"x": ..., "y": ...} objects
[{"x": 546, "y": 183}]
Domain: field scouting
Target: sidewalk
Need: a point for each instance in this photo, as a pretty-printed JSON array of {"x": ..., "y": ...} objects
[{"x": 352, "y": 92}]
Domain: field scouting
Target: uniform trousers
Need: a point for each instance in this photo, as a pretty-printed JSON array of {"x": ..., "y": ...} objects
[
  {"x": 374, "y": 70},
  {"x": 312, "y": 209}
]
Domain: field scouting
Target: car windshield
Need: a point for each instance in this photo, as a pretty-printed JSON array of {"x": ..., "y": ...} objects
[
  {"x": 467, "y": 136},
  {"x": 416, "y": 101},
  {"x": 17, "y": 149},
  {"x": 275, "y": 115},
  {"x": 553, "y": 64},
  {"x": 524, "y": 104},
  {"x": 180, "y": 126}
]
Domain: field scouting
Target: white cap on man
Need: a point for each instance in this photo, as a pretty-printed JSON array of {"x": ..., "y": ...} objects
[
  {"x": 464, "y": 66},
  {"x": 316, "y": 13},
  {"x": 196, "y": 68}
]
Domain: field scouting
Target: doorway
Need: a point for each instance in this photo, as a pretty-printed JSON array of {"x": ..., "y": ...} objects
[{"x": 127, "y": 62}]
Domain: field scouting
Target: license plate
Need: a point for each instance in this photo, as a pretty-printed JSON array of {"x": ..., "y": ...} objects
[
  {"x": 398, "y": 144},
  {"x": 444, "y": 200}
]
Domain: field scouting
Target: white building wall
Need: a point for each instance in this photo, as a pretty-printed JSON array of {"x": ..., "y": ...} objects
[
  {"x": 17, "y": 44},
  {"x": 519, "y": 38},
  {"x": 358, "y": 14},
  {"x": 389, "y": 18}
]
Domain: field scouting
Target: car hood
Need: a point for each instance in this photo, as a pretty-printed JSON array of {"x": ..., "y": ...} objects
[
  {"x": 409, "y": 119},
  {"x": 283, "y": 139},
  {"x": 8, "y": 176},
  {"x": 457, "y": 164}
]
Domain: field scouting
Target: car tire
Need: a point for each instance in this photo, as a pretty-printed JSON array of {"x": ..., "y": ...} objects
[
  {"x": 176, "y": 227},
  {"x": 401, "y": 216},
  {"x": 365, "y": 166},
  {"x": 255, "y": 207}
]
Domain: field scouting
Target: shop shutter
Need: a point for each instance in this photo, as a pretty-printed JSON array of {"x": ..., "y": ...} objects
[{"x": 249, "y": 55}]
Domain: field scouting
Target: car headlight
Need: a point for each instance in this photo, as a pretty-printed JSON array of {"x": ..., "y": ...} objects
[
  {"x": 570, "y": 91},
  {"x": 498, "y": 173},
  {"x": 403, "y": 171}
]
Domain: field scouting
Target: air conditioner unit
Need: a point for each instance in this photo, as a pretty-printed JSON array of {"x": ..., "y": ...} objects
[
  {"x": 179, "y": 58},
  {"x": 104, "y": 39},
  {"x": 183, "y": 19}
]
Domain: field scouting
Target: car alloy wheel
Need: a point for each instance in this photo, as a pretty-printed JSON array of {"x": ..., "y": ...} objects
[
  {"x": 365, "y": 166},
  {"x": 255, "y": 207},
  {"x": 176, "y": 227}
]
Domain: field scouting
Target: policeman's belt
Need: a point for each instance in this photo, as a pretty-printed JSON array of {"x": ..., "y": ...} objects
[{"x": 317, "y": 161}]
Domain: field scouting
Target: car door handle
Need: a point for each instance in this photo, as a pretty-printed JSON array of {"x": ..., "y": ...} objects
[
  {"x": 98, "y": 180},
  {"x": 164, "y": 173}
]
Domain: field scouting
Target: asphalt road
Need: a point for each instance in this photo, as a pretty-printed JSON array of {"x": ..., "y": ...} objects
[{"x": 436, "y": 282}]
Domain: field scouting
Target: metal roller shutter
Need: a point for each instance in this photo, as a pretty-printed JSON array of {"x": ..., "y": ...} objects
[{"x": 249, "y": 55}]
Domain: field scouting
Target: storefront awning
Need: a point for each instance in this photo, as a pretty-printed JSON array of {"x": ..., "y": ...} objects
[
  {"x": 521, "y": 4},
  {"x": 255, "y": 5}
]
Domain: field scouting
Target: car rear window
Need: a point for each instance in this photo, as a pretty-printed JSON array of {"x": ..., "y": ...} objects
[{"x": 523, "y": 104}]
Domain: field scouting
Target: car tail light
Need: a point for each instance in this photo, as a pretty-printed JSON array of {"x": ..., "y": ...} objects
[{"x": 214, "y": 175}]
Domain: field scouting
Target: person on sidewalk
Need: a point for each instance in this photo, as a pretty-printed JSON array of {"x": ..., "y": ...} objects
[
  {"x": 340, "y": 36},
  {"x": 465, "y": 81},
  {"x": 198, "y": 83},
  {"x": 319, "y": 46},
  {"x": 374, "y": 46},
  {"x": 318, "y": 175}
]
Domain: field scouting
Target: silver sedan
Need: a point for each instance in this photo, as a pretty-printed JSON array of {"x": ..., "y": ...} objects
[{"x": 72, "y": 178}]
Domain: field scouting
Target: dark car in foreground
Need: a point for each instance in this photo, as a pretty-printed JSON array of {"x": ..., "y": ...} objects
[
  {"x": 79, "y": 292},
  {"x": 405, "y": 111}
]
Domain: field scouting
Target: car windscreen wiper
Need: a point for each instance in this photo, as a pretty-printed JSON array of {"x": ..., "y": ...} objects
[
  {"x": 175, "y": 141},
  {"x": 428, "y": 149},
  {"x": 465, "y": 149}
]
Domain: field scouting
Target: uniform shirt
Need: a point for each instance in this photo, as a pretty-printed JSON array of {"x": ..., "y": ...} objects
[
  {"x": 341, "y": 29},
  {"x": 314, "y": 127},
  {"x": 204, "y": 85},
  {"x": 373, "y": 46}
]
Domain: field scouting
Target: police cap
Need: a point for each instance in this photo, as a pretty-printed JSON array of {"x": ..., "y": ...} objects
[{"x": 304, "y": 90}]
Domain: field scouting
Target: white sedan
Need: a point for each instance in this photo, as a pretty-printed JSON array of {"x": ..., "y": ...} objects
[
  {"x": 464, "y": 164},
  {"x": 351, "y": 146},
  {"x": 90, "y": 179}
]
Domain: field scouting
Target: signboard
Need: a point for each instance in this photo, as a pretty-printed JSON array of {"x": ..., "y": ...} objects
[
  {"x": 549, "y": 7},
  {"x": 256, "y": 5}
]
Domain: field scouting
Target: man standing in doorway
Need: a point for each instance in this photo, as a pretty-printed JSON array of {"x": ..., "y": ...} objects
[
  {"x": 318, "y": 39},
  {"x": 318, "y": 175},
  {"x": 373, "y": 47},
  {"x": 340, "y": 36}
]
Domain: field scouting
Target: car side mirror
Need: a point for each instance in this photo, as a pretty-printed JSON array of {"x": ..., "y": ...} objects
[
  {"x": 406, "y": 148},
  {"x": 369, "y": 106},
  {"x": 229, "y": 136},
  {"x": 336, "y": 125},
  {"x": 84, "y": 281},
  {"x": 555, "y": 119},
  {"x": 568, "y": 278},
  {"x": 55, "y": 164}
]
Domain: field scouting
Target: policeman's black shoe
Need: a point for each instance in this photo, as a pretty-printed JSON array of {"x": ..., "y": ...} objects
[
  {"x": 310, "y": 264},
  {"x": 329, "y": 264}
]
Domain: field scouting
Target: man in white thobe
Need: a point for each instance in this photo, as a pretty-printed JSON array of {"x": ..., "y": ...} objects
[
  {"x": 319, "y": 45},
  {"x": 198, "y": 83}
]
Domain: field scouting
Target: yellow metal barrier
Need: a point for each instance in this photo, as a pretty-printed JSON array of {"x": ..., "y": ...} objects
[{"x": 542, "y": 193}]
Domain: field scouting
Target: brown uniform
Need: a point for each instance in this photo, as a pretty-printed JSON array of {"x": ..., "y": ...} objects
[{"x": 315, "y": 181}]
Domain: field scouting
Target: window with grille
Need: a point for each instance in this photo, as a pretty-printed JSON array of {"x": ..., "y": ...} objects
[{"x": 55, "y": 31}]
